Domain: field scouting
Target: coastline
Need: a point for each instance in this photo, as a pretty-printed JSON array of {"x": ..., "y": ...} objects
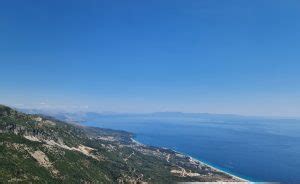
[
  {"x": 217, "y": 169},
  {"x": 243, "y": 180}
]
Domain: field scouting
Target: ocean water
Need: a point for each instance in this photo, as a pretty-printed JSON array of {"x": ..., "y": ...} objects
[{"x": 256, "y": 149}]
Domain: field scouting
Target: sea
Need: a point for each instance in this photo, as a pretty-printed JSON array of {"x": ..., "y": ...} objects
[{"x": 256, "y": 149}]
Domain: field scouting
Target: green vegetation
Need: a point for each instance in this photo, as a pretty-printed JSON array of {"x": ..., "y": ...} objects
[{"x": 41, "y": 149}]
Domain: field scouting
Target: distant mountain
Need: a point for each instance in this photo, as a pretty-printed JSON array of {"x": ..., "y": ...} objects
[
  {"x": 41, "y": 149},
  {"x": 94, "y": 116}
]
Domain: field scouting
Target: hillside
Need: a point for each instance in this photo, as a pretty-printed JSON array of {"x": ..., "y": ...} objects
[{"x": 41, "y": 149}]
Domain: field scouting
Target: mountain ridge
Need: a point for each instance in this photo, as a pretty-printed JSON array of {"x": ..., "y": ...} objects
[{"x": 41, "y": 149}]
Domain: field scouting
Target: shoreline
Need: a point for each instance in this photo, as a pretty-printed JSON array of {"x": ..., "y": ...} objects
[
  {"x": 197, "y": 160},
  {"x": 217, "y": 169},
  {"x": 242, "y": 180}
]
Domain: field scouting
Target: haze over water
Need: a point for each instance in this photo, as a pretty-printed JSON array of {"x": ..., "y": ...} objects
[{"x": 255, "y": 149}]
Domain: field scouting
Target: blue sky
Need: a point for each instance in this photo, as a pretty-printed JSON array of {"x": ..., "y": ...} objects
[{"x": 230, "y": 56}]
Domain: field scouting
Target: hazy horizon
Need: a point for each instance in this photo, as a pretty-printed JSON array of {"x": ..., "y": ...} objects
[{"x": 76, "y": 110}]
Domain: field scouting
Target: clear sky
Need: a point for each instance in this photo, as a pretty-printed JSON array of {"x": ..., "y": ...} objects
[{"x": 225, "y": 56}]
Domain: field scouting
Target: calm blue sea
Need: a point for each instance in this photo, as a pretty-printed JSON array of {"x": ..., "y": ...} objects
[{"x": 255, "y": 149}]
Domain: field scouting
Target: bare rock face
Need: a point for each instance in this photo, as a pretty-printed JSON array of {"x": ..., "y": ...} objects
[{"x": 43, "y": 160}]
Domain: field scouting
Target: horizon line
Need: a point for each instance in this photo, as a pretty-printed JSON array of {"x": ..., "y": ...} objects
[{"x": 103, "y": 112}]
